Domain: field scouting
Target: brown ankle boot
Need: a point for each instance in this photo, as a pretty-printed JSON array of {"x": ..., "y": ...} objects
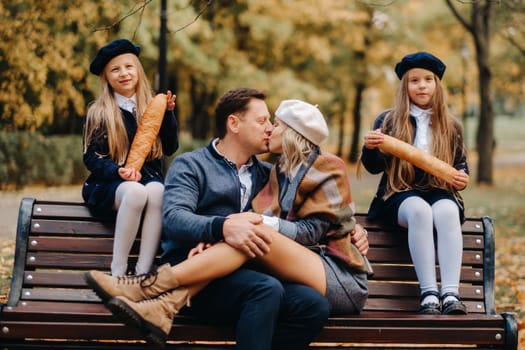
[
  {"x": 154, "y": 317},
  {"x": 134, "y": 288}
]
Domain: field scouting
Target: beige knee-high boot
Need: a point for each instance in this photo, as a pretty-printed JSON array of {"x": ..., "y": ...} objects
[
  {"x": 154, "y": 317},
  {"x": 134, "y": 288}
]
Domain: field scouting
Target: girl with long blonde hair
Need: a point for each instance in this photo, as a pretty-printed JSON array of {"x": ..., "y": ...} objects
[
  {"x": 109, "y": 128},
  {"x": 411, "y": 198}
]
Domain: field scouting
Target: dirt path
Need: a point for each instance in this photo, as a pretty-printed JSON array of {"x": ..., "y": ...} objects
[{"x": 10, "y": 202}]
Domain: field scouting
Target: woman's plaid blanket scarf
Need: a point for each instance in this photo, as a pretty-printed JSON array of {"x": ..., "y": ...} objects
[{"x": 323, "y": 191}]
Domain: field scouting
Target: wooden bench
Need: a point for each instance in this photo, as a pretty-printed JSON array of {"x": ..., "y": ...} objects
[{"x": 50, "y": 306}]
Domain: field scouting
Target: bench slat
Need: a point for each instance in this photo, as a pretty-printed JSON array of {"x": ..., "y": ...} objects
[
  {"x": 58, "y": 241},
  {"x": 360, "y": 333},
  {"x": 67, "y": 261},
  {"x": 72, "y": 228},
  {"x": 66, "y": 210}
]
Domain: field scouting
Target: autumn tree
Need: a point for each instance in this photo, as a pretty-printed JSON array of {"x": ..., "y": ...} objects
[
  {"x": 509, "y": 51},
  {"x": 45, "y": 49},
  {"x": 479, "y": 27}
]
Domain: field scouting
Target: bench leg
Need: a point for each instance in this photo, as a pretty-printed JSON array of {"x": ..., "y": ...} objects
[{"x": 511, "y": 331}]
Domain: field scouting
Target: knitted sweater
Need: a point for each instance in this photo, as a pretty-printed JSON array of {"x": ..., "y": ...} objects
[{"x": 202, "y": 187}]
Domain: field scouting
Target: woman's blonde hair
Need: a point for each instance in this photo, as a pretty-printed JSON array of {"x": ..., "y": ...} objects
[
  {"x": 104, "y": 115},
  {"x": 296, "y": 149},
  {"x": 446, "y": 137}
]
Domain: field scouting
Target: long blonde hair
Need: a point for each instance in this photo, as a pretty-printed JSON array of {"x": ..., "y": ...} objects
[
  {"x": 296, "y": 149},
  {"x": 446, "y": 137},
  {"x": 104, "y": 115}
]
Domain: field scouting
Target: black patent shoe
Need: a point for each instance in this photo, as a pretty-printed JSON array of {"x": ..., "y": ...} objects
[
  {"x": 453, "y": 307},
  {"x": 430, "y": 308}
]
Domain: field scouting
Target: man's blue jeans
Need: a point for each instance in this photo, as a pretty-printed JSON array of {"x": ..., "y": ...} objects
[{"x": 270, "y": 314}]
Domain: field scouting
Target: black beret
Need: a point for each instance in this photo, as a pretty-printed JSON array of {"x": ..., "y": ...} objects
[
  {"x": 423, "y": 60},
  {"x": 111, "y": 50}
]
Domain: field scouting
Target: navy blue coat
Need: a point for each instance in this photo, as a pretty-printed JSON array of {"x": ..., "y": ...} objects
[
  {"x": 99, "y": 188},
  {"x": 376, "y": 162}
]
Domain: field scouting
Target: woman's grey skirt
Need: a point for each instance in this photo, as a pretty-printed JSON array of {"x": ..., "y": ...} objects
[{"x": 346, "y": 288}]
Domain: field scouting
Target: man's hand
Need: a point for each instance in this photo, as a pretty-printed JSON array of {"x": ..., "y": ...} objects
[
  {"x": 244, "y": 231},
  {"x": 360, "y": 238}
]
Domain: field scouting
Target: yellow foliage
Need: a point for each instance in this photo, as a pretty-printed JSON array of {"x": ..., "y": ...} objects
[{"x": 45, "y": 54}]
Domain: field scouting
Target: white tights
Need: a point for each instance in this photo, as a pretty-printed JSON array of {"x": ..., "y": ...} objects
[
  {"x": 134, "y": 202},
  {"x": 420, "y": 218}
]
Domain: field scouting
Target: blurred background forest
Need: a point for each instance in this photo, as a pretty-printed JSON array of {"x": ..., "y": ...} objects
[{"x": 338, "y": 54}]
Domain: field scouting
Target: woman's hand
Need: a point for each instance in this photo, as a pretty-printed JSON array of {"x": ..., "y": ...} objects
[
  {"x": 129, "y": 174},
  {"x": 461, "y": 180},
  {"x": 170, "y": 101},
  {"x": 373, "y": 138},
  {"x": 359, "y": 237},
  {"x": 199, "y": 248}
]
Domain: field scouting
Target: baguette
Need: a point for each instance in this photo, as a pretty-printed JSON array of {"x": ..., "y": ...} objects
[
  {"x": 147, "y": 131},
  {"x": 419, "y": 158}
]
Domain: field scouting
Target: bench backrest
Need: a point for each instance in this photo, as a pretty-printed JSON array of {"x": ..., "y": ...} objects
[{"x": 58, "y": 241}]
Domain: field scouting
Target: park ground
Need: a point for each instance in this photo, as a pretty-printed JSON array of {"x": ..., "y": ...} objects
[{"x": 503, "y": 202}]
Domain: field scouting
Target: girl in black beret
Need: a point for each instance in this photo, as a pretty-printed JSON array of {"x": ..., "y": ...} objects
[
  {"x": 110, "y": 125},
  {"x": 413, "y": 199}
]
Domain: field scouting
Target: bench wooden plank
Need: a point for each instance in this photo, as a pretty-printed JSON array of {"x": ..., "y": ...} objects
[
  {"x": 58, "y": 241},
  {"x": 72, "y": 228}
]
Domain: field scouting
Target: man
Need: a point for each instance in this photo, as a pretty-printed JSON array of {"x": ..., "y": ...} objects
[{"x": 202, "y": 189}]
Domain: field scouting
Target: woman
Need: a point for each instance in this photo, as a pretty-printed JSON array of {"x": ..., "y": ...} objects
[{"x": 318, "y": 182}]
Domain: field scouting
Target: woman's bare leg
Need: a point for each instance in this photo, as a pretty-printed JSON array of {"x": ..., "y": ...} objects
[
  {"x": 214, "y": 262},
  {"x": 293, "y": 262},
  {"x": 287, "y": 260}
]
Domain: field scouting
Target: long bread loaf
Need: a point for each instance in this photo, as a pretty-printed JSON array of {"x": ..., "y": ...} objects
[
  {"x": 147, "y": 131},
  {"x": 419, "y": 158}
]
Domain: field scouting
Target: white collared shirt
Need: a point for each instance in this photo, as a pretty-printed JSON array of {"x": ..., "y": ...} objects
[
  {"x": 423, "y": 135},
  {"x": 129, "y": 104},
  {"x": 245, "y": 177}
]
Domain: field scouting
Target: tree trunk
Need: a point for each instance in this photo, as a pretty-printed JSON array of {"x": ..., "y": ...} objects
[
  {"x": 200, "y": 100},
  {"x": 360, "y": 86},
  {"x": 485, "y": 134},
  {"x": 354, "y": 148},
  {"x": 479, "y": 28},
  {"x": 341, "y": 136}
]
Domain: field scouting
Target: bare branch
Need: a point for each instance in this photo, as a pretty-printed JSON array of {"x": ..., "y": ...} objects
[
  {"x": 515, "y": 43},
  {"x": 138, "y": 7},
  {"x": 468, "y": 27},
  {"x": 377, "y": 4},
  {"x": 201, "y": 12},
  {"x": 140, "y": 20}
]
